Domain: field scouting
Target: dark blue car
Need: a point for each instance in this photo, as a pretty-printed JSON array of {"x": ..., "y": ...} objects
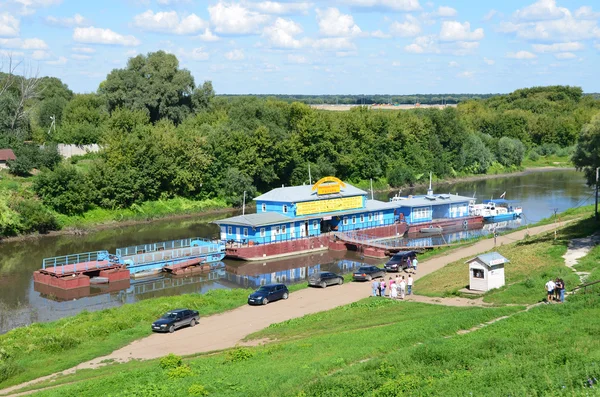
[{"x": 268, "y": 293}]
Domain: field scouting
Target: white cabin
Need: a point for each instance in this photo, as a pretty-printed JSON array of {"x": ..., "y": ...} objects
[{"x": 486, "y": 271}]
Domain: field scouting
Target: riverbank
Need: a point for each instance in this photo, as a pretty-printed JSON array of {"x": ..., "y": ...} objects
[{"x": 312, "y": 350}]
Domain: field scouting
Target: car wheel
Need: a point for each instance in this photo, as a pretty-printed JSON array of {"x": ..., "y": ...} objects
[
  {"x": 193, "y": 322},
  {"x": 171, "y": 329},
  {"x": 286, "y": 295},
  {"x": 265, "y": 301},
  {"x": 323, "y": 284},
  {"x": 340, "y": 281},
  {"x": 369, "y": 278}
]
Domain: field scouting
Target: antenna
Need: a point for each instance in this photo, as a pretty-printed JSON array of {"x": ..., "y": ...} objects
[
  {"x": 309, "y": 177},
  {"x": 430, "y": 191},
  {"x": 371, "y": 188},
  {"x": 244, "y": 205},
  {"x": 52, "y": 125}
]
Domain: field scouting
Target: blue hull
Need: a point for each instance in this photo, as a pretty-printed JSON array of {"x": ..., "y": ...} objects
[
  {"x": 500, "y": 218},
  {"x": 208, "y": 259}
]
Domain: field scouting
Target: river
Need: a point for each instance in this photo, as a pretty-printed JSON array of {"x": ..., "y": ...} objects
[{"x": 539, "y": 193}]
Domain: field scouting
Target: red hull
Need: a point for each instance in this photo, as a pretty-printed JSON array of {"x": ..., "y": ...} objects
[{"x": 471, "y": 222}]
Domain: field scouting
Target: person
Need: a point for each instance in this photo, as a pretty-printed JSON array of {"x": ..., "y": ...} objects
[
  {"x": 556, "y": 289},
  {"x": 409, "y": 284},
  {"x": 382, "y": 287},
  {"x": 561, "y": 292},
  {"x": 375, "y": 287},
  {"x": 550, "y": 289},
  {"x": 394, "y": 290},
  {"x": 415, "y": 262},
  {"x": 402, "y": 288}
]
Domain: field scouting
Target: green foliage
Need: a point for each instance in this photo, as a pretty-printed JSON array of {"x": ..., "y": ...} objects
[
  {"x": 534, "y": 156},
  {"x": 475, "y": 157},
  {"x": 65, "y": 189},
  {"x": 170, "y": 361},
  {"x": 197, "y": 390},
  {"x": 182, "y": 371},
  {"x": 587, "y": 152},
  {"x": 84, "y": 120},
  {"x": 510, "y": 151},
  {"x": 238, "y": 354},
  {"x": 34, "y": 216},
  {"x": 31, "y": 156},
  {"x": 233, "y": 186}
]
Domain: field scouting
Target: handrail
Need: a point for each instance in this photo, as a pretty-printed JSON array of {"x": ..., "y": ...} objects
[
  {"x": 163, "y": 245},
  {"x": 584, "y": 286}
]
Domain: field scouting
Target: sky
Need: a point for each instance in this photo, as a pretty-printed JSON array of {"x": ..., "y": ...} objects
[{"x": 314, "y": 47}]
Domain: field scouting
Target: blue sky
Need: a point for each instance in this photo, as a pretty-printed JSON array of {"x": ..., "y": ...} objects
[{"x": 315, "y": 47}]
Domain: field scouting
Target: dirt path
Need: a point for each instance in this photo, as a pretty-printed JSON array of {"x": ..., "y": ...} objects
[
  {"x": 225, "y": 330},
  {"x": 578, "y": 248}
]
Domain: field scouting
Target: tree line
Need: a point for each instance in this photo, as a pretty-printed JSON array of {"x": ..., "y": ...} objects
[{"x": 163, "y": 136}]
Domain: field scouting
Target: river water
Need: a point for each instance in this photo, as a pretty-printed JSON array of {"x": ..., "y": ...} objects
[{"x": 539, "y": 193}]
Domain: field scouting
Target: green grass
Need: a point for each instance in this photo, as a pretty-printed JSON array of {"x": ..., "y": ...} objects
[
  {"x": 548, "y": 161},
  {"x": 589, "y": 262}
]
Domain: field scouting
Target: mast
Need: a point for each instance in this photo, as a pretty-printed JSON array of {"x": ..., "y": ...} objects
[
  {"x": 309, "y": 177},
  {"x": 430, "y": 190},
  {"x": 244, "y": 205},
  {"x": 371, "y": 188}
]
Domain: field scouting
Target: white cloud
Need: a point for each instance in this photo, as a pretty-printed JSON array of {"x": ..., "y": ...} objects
[
  {"x": 521, "y": 55},
  {"x": 467, "y": 74},
  {"x": 169, "y": 22},
  {"x": 29, "y": 7},
  {"x": 40, "y": 54},
  {"x": 423, "y": 44},
  {"x": 81, "y": 57},
  {"x": 586, "y": 12},
  {"x": 282, "y": 34},
  {"x": 414, "y": 48},
  {"x": 67, "y": 22},
  {"x": 541, "y": 10},
  {"x": 335, "y": 24},
  {"x": 565, "y": 55},
  {"x": 292, "y": 58},
  {"x": 409, "y": 28},
  {"x": 567, "y": 28},
  {"x": 445, "y": 12},
  {"x": 334, "y": 43},
  {"x": 491, "y": 14},
  {"x": 456, "y": 31},
  {"x": 58, "y": 62},
  {"x": 277, "y": 8},
  {"x": 231, "y": 18},
  {"x": 9, "y": 25},
  {"x": 83, "y": 50},
  {"x": 94, "y": 35},
  {"x": 344, "y": 54},
  {"x": 235, "y": 55},
  {"x": 208, "y": 36},
  {"x": 131, "y": 53},
  {"x": 489, "y": 61},
  {"x": 380, "y": 35},
  {"x": 453, "y": 64},
  {"x": 24, "y": 44},
  {"x": 394, "y": 5},
  {"x": 559, "y": 47}
]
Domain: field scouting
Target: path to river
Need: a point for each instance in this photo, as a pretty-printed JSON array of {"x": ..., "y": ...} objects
[{"x": 226, "y": 330}]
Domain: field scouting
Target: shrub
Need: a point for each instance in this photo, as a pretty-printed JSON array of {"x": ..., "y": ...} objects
[
  {"x": 34, "y": 217},
  {"x": 8, "y": 369},
  {"x": 510, "y": 151},
  {"x": 534, "y": 156},
  {"x": 183, "y": 371},
  {"x": 64, "y": 189},
  {"x": 171, "y": 361},
  {"x": 197, "y": 390},
  {"x": 238, "y": 354},
  {"x": 400, "y": 175}
]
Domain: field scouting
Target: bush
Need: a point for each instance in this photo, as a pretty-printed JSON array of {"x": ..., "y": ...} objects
[
  {"x": 171, "y": 361},
  {"x": 534, "y": 156},
  {"x": 238, "y": 354},
  {"x": 510, "y": 151},
  {"x": 34, "y": 217},
  {"x": 180, "y": 372},
  {"x": 65, "y": 189},
  {"x": 400, "y": 175},
  {"x": 197, "y": 390}
]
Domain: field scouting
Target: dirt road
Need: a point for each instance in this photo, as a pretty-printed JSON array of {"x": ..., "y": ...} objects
[{"x": 226, "y": 330}]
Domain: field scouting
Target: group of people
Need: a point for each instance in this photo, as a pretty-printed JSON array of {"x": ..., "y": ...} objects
[
  {"x": 398, "y": 288},
  {"x": 555, "y": 290}
]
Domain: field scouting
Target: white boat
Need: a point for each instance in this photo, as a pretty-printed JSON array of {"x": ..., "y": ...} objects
[{"x": 496, "y": 210}]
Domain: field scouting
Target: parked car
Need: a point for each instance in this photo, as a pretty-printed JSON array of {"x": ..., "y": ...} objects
[
  {"x": 268, "y": 293},
  {"x": 368, "y": 273},
  {"x": 399, "y": 262},
  {"x": 323, "y": 279},
  {"x": 176, "y": 319}
]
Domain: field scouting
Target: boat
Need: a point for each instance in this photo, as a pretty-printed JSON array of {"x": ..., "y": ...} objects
[
  {"x": 432, "y": 230},
  {"x": 500, "y": 210},
  {"x": 99, "y": 280}
]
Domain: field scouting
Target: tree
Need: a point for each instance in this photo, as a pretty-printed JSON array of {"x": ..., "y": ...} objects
[
  {"x": 65, "y": 189},
  {"x": 510, "y": 151},
  {"x": 153, "y": 83},
  {"x": 587, "y": 151},
  {"x": 83, "y": 121},
  {"x": 203, "y": 96},
  {"x": 234, "y": 184},
  {"x": 475, "y": 157}
]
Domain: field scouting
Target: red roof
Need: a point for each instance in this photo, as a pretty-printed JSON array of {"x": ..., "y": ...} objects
[{"x": 7, "y": 154}]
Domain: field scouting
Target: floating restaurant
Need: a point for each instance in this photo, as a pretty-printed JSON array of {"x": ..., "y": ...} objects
[{"x": 301, "y": 219}]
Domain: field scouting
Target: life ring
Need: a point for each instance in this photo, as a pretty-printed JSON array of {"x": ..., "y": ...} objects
[
  {"x": 431, "y": 226},
  {"x": 465, "y": 223}
]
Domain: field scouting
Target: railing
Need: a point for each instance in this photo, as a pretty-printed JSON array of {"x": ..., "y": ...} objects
[
  {"x": 76, "y": 258},
  {"x": 163, "y": 246},
  {"x": 179, "y": 253},
  {"x": 585, "y": 286}
]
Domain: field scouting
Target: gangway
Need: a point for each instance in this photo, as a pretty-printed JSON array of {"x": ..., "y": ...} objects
[{"x": 79, "y": 263}]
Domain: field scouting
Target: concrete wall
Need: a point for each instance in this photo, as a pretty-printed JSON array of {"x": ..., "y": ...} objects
[{"x": 68, "y": 151}]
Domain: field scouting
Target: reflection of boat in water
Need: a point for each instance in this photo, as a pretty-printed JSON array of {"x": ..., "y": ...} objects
[
  {"x": 510, "y": 224},
  {"x": 62, "y": 295},
  {"x": 99, "y": 280},
  {"x": 432, "y": 230}
]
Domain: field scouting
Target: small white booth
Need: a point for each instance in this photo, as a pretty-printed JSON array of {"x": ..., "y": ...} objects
[{"x": 486, "y": 271}]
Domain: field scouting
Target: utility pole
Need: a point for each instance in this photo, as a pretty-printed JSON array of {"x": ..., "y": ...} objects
[
  {"x": 309, "y": 176},
  {"x": 244, "y": 205},
  {"x": 596, "y": 206},
  {"x": 555, "y": 226}
]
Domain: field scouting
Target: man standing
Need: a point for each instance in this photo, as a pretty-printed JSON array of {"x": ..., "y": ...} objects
[
  {"x": 375, "y": 286},
  {"x": 409, "y": 284},
  {"x": 415, "y": 262},
  {"x": 550, "y": 289}
]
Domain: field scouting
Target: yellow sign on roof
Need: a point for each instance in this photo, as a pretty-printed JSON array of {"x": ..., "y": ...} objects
[{"x": 328, "y": 185}]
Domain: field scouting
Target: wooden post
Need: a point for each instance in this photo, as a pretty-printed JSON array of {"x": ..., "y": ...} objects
[{"x": 596, "y": 206}]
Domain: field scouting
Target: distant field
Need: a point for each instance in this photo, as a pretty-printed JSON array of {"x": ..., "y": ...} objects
[{"x": 341, "y": 108}]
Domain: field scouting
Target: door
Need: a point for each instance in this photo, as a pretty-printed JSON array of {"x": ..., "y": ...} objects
[
  {"x": 302, "y": 231},
  {"x": 237, "y": 234},
  {"x": 306, "y": 229},
  {"x": 273, "y": 234},
  {"x": 381, "y": 218},
  {"x": 223, "y": 233},
  {"x": 292, "y": 231}
]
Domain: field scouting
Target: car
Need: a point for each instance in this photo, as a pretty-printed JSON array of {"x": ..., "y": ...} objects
[
  {"x": 323, "y": 279},
  {"x": 368, "y": 273},
  {"x": 399, "y": 262},
  {"x": 175, "y": 319},
  {"x": 268, "y": 293}
]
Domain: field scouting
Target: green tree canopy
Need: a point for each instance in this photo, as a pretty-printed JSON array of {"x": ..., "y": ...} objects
[{"x": 587, "y": 152}]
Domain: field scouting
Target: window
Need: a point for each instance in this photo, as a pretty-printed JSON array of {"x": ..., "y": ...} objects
[
  {"x": 422, "y": 213},
  {"x": 285, "y": 209},
  {"x": 276, "y": 230},
  {"x": 345, "y": 221},
  {"x": 229, "y": 230},
  {"x": 245, "y": 232},
  {"x": 262, "y": 232},
  {"x": 376, "y": 216},
  {"x": 477, "y": 273},
  {"x": 362, "y": 218},
  {"x": 370, "y": 217},
  {"x": 283, "y": 229},
  {"x": 354, "y": 219},
  {"x": 264, "y": 207},
  {"x": 315, "y": 225}
]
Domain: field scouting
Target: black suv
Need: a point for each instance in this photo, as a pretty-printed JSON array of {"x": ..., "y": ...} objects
[
  {"x": 176, "y": 319},
  {"x": 368, "y": 273},
  {"x": 399, "y": 262},
  {"x": 268, "y": 293},
  {"x": 324, "y": 279}
]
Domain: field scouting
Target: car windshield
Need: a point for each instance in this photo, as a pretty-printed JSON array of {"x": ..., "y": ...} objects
[
  {"x": 364, "y": 269},
  {"x": 263, "y": 289},
  {"x": 169, "y": 315}
]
